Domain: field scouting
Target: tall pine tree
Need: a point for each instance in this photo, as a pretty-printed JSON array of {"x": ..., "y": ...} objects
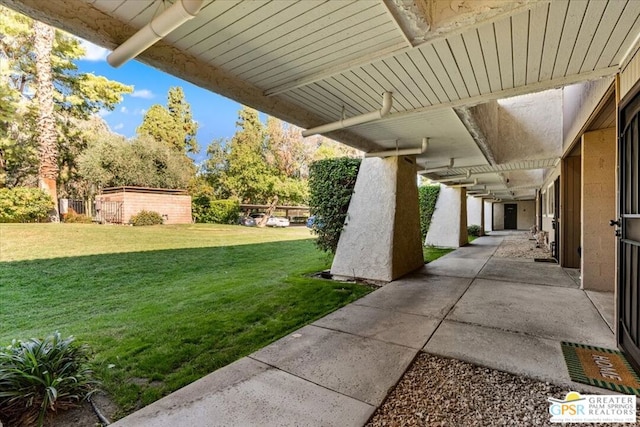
[{"x": 173, "y": 124}]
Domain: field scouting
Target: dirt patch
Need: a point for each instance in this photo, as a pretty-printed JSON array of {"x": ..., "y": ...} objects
[
  {"x": 518, "y": 246},
  {"x": 84, "y": 416}
]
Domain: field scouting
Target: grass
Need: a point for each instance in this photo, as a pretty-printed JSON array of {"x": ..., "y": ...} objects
[
  {"x": 161, "y": 306},
  {"x": 432, "y": 253}
]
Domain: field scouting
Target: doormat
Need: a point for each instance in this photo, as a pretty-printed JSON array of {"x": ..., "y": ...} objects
[
  {"x": 600, "y": 367},
  {"x": 551, "y": 260}
]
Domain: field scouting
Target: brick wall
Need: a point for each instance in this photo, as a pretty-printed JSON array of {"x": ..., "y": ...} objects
[{"x": 175, "y": 209}]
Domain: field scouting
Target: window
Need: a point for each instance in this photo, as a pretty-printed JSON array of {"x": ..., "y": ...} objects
[{"x": 551, "y": 202}]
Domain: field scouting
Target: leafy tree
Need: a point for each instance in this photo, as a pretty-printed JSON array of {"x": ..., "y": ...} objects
[
  {"x": 247, "y": 176},
  {"x": 76, "y": 96},
  {"x": 112, "y": 161},
  {"x": 172, "y": 125}
]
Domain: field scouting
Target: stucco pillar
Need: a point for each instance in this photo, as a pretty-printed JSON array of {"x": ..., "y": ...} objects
[
  {"x": 488, "y": 216},
  {"x": 598, "y": 207},
  {"x": 381, "y": 238},
  {"x": 449, "y": 221},
  {"x": 475, "y": 212}
]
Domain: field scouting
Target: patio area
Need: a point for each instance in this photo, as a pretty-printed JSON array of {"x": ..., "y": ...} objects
[{"x": 500, "y": 313}]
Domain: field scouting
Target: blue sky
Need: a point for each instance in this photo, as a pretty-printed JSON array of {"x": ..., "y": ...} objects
[{"x": 215, "y": 114}]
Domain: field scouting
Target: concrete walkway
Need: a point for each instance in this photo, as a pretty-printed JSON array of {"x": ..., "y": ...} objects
[{"x": 504, "y": 314}]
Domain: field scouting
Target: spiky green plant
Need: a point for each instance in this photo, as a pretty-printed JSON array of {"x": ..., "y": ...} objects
[{"x": 40, "y": 376}]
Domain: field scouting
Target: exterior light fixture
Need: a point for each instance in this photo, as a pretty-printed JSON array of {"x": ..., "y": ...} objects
[{"x": 173, "y": 17}]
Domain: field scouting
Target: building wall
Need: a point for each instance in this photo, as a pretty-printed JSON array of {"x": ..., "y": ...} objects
[
  {"x": 175, "y": 209},
  {"x": 630, "y": 74},
  {"x": 475, "y": 212},
  {"x": 598, "y": 207},
  {"x": 488, "y": 208},
  {"x": 578, "y": 103},
  {"x": 526, "y": 214}
]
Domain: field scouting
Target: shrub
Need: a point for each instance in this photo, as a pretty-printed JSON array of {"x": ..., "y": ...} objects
[
  {"x": 427, "y": 196},
  {"x": 331, "y": 182},
  {"x": 207, "y": 210},
  {"x": 473, "y": 230},
  {"x": 76, "y": 218},
  {"x": 39, "y": 376},
  {"x": 146, "y": 218},
  {"x": 22, "y": 204}
]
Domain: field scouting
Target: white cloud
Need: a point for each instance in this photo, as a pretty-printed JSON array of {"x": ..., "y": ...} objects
[
  {"x": 142, "y": 93},
  {"x": 118, "y": 126},
  {"x": 103, "y": 112},
  {"x": 124, "y": 110},
  {"x": 93, "y": 52},
  {"x": 139, "y": 111}
]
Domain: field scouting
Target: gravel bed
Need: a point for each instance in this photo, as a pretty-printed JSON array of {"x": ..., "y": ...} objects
[
  {"x": 437, "y": 391},
  {"x": 520, "y": 247}
]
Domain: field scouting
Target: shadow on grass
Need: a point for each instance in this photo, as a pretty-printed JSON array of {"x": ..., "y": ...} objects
[{"x": 159, "y": 320}]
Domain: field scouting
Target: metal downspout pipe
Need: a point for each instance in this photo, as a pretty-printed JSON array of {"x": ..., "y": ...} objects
[{"x": 387, "y": 101}]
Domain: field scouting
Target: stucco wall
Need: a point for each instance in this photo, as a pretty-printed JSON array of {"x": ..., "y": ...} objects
[
  {"x": 381, "y": 238},
  {"x": 487, "y": 216},
  {"x": 526, "y": 214},
  {"x": 448, "y": 227},
  {"x": 578, "y": 102},
  {"x": 475, "y": 212},
  {"x": 598, "y": 207}
]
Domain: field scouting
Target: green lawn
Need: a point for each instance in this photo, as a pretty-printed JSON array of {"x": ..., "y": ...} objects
[{"x": 161, "y": 306}]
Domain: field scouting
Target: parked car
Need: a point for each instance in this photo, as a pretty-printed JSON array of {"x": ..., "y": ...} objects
[
  {"x": 310, "y": 221},
  {"x": 276, "y": 221},
  {"x": 247, "y": 221}
]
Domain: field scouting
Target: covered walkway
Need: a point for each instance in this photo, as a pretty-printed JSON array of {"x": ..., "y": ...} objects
[{"x": 472, "y": 305}]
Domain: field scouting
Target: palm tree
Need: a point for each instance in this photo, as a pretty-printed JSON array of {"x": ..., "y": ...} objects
[{"x": 47, "y": 145}]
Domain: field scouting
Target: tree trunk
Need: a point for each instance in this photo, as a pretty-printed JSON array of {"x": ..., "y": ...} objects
[{"x": 46, "y": 128}]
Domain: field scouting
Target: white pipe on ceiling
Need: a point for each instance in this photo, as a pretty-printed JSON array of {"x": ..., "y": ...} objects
[
  {"x": 402, "y": 151},
  {"x": 173, "y": 17},
  {"x": 438, "y": 169},
  {"x": 387, "y": 101},
  {"x": 464, "y": 184}
]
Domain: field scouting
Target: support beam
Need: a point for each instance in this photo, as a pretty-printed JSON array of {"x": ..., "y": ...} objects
[
  {"x": 475, "y": 212},
  {"x": 449, "y": 221},
  {"x": 381, "y": 238}
]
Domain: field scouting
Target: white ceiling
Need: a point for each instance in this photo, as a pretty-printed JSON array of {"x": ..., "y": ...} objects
[{"x": 313, "y": 62}]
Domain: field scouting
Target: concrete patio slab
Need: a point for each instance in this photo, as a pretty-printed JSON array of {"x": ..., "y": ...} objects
[
  {"x": 526, "y": 272},
  {"x": 493, "y": 239},
  {"x": 418, "y": 294},
  {"x": 605, "y": 304},
  {"x": 250, "y": 393},
  {"x": 362, "y": 368},
  {"x": 516, "y": 353},
  {"x": 544, "y": 311},
  {"x": 454, "y": 267},
  {"x": 473, "y": 251},
  {"x": 519, "y": 354},
  {"x": 398, "y": 328}
]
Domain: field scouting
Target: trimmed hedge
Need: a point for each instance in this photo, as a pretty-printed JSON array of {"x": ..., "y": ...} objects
[
  {"x": 207, "y": 210},
  {"x": 22, "y": 204},
  {"x": 146, "y": 218},
  {"x": 473, "y": 230},
  {"x": 331, "y": 184},
  {"x": 427, "y": 198}
]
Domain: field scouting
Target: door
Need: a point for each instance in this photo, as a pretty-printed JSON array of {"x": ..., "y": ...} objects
[
  {"x": 628, "y": 231},
  {"x": 510, "y": 216},
  {"x": 556, "y": 219}
]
